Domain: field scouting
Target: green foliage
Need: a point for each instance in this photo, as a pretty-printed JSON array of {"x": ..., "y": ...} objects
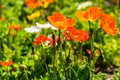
[{"x": 53, "y": 62}]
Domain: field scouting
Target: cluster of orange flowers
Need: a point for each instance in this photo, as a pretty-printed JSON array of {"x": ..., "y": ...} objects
[
  {"x": 93, "y": 14},
  {"x": 71, "y": 33},
  {"x": 16, "y": 27},
  {"x": 67, "y": 25},
  {"x": 44, "y": 39},
  {"x": 37, "y": 3},
  {"x": 8, "y": 63}
]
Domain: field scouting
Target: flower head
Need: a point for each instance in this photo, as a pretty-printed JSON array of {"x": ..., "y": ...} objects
[
  {"x": 81, "y": 36},
  {"x": 108, "y": 24},
  {"x": 32, "y": 29},
  {"x": 2, "y": 19},
  {"x": 16, "y": 27},
  {"x": 91, "y": 14},
  {"x": 50, "y": 40},
  {"x": 71, "y": 33},
  {"x": 11, "y": 27},
  {"x": 46, "y": 25},
  {"x": 8, "y": 63},
  {"x": 40, "y": 39},
  {"x": 34, "y": 15},
  {"x": 31, "y": 3},
  {"x": 59, "y": 21},
  {"x": 45, "y": 3},
  {"x": 81, "y": 15}
]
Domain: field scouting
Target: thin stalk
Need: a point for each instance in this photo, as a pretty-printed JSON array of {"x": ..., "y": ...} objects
[
  {"x": 81, "y": 49},
  {"x": 33, "y": 53},
  {"x": 67, "y": 65},
  {"x": 43, "y": 52},
  {"x": 68, "y": 62},
  {"x": 43, "y": 14},
  {"x": 59, "y": 38},
  {"x": 91, "y": 72},
  {"x": 54, "y": 57},
  {"x": 7, "y": 72},
  {"x": 0, "y": 8}
]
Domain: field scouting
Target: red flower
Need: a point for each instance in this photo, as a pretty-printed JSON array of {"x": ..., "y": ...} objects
[
  {"x": 59, "y": 21},
  {"x": 68, "y": 23},
  {"x": 11, "y": 27},
  {"x": 108, "y": 24},
  {"x": 31, "y": 3},
  {"x": 71, "y": 33},
  {"x": 40, "y": 39},
  {"x": 81, "y": 36},
  {"x": 2, "y": 19},
  {"x": 49, "y": 41},
  {"x": 8, "y": 63},
  {"x": 43, "y": 39},
  {"x": 91, "y": 14},
  {"x": 16, "y": 27}
]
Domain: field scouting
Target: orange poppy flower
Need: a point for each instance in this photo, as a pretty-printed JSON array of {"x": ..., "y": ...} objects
[
  {"x": 108, "y": 24},
  {"x": 71, "y": 33},
  {"x": 80, "y": 15},
  {"x": 40, "y": 39},
  {"x": 68, "y": 22},
  {"x": 11, "y": 27},
  {"x": 59, "y": 21},
  {"x": 91, "y": 14},
  {"x": 43, "y": 39},
  {"x": 81, "y": 36},
  {"x": 31, "y": 3},
  {"x": 2, "y": 19},
  {"x": 56, "y": 20},
  {"x": 49, "y": 41},
  {"x": 16, "y": 27},
  {"x": 8, "y": 63}
]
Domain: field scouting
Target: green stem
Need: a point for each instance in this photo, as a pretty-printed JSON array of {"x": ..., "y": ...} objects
[
  {"x": 33, "y": 54},
  {"x": 0, "y": 8},
  {"x": 7, "y": 72},
  {"x": 91, "y": 63},
  {"x": 43, "y": 52},
  {"x": 59, "y": 38},
  {"x": 54, "y": 57},
  {"x": 81, "y": 49},
  {"x": 68, "y": 75},
  {"x": 43, "y": 14}
]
